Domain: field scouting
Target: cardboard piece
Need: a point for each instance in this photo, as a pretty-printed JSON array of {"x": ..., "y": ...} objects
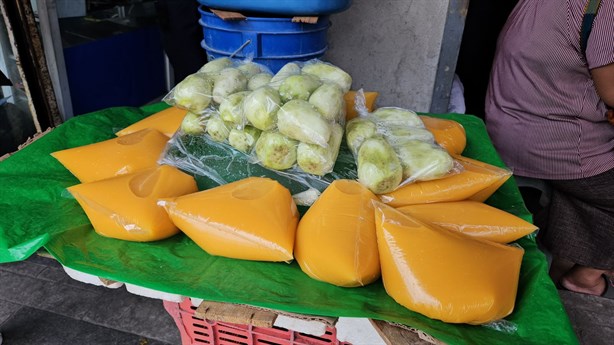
[
  {"x": 235, "y": 313},
  {"x": 394, "y": 333},
  {"x": 231, "y": 15},
  {"x": 29, "y": 141},
  {"x": 228, "y": 15},
  {"x": 306, "y": 20},
  {"x": 256, "y": 316}
]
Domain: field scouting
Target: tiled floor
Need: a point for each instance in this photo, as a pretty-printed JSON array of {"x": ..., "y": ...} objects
[{"x": 40, "y": 304}]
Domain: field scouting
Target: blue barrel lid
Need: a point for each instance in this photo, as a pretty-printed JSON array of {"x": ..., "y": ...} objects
[
  {"x": 261, "y": 24},
  {"x": 286, "y": 7}
]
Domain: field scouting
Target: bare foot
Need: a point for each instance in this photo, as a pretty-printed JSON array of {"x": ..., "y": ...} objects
[{"x": 584, "y": 280}]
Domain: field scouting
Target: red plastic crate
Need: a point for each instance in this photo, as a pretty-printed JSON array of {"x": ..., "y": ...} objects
[{"x": 197, "y": 331}]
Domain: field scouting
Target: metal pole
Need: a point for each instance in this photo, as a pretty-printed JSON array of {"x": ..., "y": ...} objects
[
  {"x": 450, "y": 46},
  {"x": 54, "y": 54}
]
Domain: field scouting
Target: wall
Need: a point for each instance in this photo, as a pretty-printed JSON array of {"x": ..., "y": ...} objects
[{"x": 392, "y": 47}]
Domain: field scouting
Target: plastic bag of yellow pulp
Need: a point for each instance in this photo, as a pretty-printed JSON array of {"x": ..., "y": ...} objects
[
  {"x": 477, "y": 182},
  {"x": 118, "y": 156},
  {"x": 251, "y": 219},
  {"x": 125, "y": 207},
  {"x": 166, "y": 122},
  {"x": 335, "y": 240},
  {"x": 368, "y": 97},
  {"x": 443, "y": 274},
  {"x": 472, "y": 218},
  {"x": 448, "y": 134}
]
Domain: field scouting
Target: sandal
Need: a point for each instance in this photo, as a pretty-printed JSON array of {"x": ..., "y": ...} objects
[{"x": 609, "y": 288}]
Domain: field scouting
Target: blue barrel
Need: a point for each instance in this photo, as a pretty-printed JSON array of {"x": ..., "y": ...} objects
[{"x": 272, "y": 42}]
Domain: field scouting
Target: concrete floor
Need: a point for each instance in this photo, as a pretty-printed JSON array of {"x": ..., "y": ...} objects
[
  {"x": 592, "y": 317},
  {"x": 40, "y": 304}
]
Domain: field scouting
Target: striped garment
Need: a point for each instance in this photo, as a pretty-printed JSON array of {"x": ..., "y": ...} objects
[{"x": 542, "y": 110}]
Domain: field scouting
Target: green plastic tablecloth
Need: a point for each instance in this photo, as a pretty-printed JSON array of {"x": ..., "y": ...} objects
[{"x": 36, "y": 211}]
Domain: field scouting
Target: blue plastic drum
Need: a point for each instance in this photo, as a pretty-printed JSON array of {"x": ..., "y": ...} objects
[{"x": 272, "y": 42}]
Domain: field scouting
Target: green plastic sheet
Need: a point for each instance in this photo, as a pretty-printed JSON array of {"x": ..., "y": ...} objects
[{"x": 37, "y": 211}]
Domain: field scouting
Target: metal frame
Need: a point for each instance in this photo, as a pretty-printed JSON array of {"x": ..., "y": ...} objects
[
  {"x": 450, "y": 46},
  {"x": 28, "y": 51},
  {"x": 54, "y": 54}
]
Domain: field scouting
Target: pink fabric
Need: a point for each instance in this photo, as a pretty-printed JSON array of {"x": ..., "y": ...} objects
[{"x": 542, "y": 110}]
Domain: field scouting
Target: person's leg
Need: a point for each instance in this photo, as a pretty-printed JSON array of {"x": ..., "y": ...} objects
[
  {"x": 580, "y": 231},
  {"x": 559, "y": 267}
]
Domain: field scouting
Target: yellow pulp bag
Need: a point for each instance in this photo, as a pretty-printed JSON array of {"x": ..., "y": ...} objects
[
  {"x": 118, "y": 156},
  {"x": 125, "y": 207},
  {"x": 448, "y": 134},
  {"x": 350, "y": 103},
  {"x": 477, "y": 181},
  {"x": 335, "y": 240},
  {"x": 472, "y": 218},
  {"x": 251, "y": 219},
  {"x": 484, "y": 194},
  {"x": 443, "y": 274},
  {"x": 166, "y": 122}
]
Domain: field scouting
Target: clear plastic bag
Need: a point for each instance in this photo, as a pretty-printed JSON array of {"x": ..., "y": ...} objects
[
  {"x": 472, "y": 218},
  {"x": 393, "y": 148},
  {"x": 217, "y": 163},
  {"x": 335, "y": 239},
  {"x": 250, "y": 219},
  {"x": 294, "y": 123},
  {"x": 477, "y": 181},
  {"x": 419, "y": 260},
  {"x": 301, "y": 113},
  {"x": 125, "y": 206},
  {"x": 213, "y": 85}
]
